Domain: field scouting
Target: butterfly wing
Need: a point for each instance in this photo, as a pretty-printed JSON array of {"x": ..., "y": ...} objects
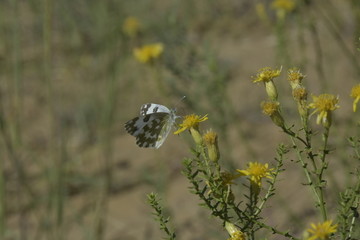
[
  {"x": 149, "y": 129},
  {"x": 167, "y": 124},
  {"x": 150, "y": 108}
]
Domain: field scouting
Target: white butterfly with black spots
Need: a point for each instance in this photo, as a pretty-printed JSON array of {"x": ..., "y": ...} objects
[{"x": 152, "y": 126}]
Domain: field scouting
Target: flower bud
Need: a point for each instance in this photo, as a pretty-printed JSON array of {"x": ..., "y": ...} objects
[{"x": 210, "y": 140}]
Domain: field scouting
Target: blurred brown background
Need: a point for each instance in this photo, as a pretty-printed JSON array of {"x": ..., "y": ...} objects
[{"x": 69, "y": 82}]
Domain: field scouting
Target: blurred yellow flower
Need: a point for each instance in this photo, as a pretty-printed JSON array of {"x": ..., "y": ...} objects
[
  {"x": 324, "y": 104},
  {"x": 355, "y": 93},
  {"x": 261, "y": 12},
  {"x": 322, "y": 230},
  {"x": 149, "y": 53},
  {"x": 131, "y": 26},
  {"x": 286, "y": 5},
  {"x": 257, "y": 172},
  {"x": 191, "y": 121}
]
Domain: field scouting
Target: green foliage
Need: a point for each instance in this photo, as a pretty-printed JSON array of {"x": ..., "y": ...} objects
[{"x": 154, "y": 202}]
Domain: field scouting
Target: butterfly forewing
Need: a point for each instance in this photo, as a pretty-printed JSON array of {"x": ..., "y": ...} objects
[
  {"x": 149, "y": 108},
  {"x": 152, "y": 126}
]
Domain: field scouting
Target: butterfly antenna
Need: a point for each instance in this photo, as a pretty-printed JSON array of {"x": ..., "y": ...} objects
[{"x": 178, "y": 102}]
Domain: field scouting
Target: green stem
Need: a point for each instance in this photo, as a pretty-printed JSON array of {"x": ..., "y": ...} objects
[
  {"x": 306, "y": 171},
  {"x": 254, "y": 191},
  {"x": 243, "y": 215},
  {"x": 324, "y": 165},
  {"x": 276, "y": 231},
  {"x": 318, "y": 194},
  {"x": 318, "y": 188},
  {"x": 271, "y": 189}
]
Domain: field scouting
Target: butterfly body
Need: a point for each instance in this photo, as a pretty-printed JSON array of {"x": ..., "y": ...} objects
[{"x": 152, "y": 126}]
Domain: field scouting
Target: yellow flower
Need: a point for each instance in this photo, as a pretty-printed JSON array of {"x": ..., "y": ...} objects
[
  {"x": 355, "y": 93},
  {"x": 286, "y": 5},
  {"x": 131, "y": 26},
  {"x": 234, "y": 232},
  {"x": 322, "y": 230},
  {"x": 272, "y": 109},
  {"x": 210, "y": 137},
  {"x": 269, "y": 107},
  {"x": 266, "y": 75},
  {"x": 295, "y": 77},
  {"x": 148, "y": 53},
  {"x": 191, "y": 121},
  {"x": 257, "y": 172},
  {"x": 210, "y": 140},
  {"x": 324, "y": 104},
  {"x": 300, "y": 93}
]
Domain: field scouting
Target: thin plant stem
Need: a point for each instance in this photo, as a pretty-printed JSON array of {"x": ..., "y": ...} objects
[
  {"x": 107, "y": 147},
  {"x": 2, "y": 201},
  {"x": 53, "y": 172},
  {"x": 324, "y": 165},
  {"x": 306, "y": 171},
  {"x": 17, "y": 74}
]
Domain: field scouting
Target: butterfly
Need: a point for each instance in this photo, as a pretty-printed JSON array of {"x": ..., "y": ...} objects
[{"x": 152, "y": 126}]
